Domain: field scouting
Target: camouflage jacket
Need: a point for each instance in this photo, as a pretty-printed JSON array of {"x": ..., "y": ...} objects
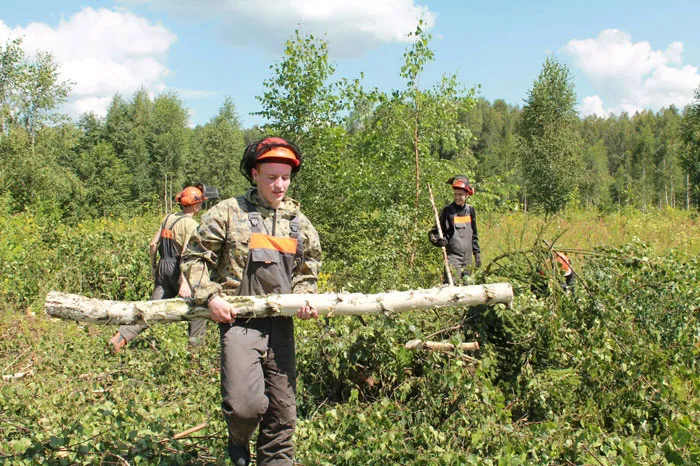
[{"x": 215, "y": 257}]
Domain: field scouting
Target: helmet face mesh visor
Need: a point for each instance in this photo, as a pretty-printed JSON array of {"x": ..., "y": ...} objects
[{"x": 210, "y": 192}]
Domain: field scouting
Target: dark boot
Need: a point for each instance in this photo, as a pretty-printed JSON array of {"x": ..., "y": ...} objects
[{"x": 240, "y": 455}]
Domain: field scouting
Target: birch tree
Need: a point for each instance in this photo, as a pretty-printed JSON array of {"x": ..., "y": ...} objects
[{"x": 550, "y": 150}]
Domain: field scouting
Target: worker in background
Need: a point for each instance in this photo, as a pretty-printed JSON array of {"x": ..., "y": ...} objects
[
  {"x": 460, "y": 237},
  {"x": 165, "y": 251},
  {"x": 560, "y": 264}
]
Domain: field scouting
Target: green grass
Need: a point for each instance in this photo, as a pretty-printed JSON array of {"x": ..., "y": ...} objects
[
  {"x": 81, "y": 403},
  {"x": 661, "y": 230},
  {"x": 608, "y": 376}
]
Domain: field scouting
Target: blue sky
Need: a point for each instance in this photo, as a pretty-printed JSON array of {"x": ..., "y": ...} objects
[{"x": 623, "y": 55}]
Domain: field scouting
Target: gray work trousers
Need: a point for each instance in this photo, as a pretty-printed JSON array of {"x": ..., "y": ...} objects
[
  {"x": 460, "y": 274},
  {"x": 258, "y": 385},
  {"x": 166, "y": 289}
]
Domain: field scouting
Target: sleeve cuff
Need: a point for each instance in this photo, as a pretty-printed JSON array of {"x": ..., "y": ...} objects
[{"x": 202, "y": 296}]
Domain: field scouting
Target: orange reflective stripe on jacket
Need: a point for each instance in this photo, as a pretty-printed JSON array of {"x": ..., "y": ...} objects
[
  {"x": 463, "y": 219},
  {"x": 278, "y": 243}
]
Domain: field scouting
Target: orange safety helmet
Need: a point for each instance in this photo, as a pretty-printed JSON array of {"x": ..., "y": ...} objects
[
  {"x": 461, "y": 182},
  {"x": 563, "y": 261},
  {"x": 272, "y": 149},
  {"x": 190, "y": 195}
]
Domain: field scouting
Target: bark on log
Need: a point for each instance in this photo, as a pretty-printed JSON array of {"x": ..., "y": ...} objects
[
  {"x": 441, "y": 345},
  {"x": 82, "y": 309}
]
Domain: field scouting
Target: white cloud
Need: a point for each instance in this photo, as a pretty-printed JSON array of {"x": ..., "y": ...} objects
[
  {"x": 102, "y": 52},
  {"x": 351, "y": 26},
  {"x": 592, "y": 105},
  {"x": 630, "y": 76}
]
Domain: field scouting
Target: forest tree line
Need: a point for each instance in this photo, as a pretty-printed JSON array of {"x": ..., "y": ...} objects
[{"x": 362, "y": 147}]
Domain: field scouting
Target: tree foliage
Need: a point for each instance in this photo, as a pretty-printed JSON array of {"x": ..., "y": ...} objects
[
  {"x": 643, "y": 160},
  {"x": 550, "y": 151},
  {"x": 691, "y": 137},
  {"x": 30, "y": 89},
  {"x": 298, "y": 99},
  {"x": 216, "y": 150}
]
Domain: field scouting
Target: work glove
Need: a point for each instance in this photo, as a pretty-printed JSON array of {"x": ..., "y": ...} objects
[
  {"x": 441, "y": 242},
  {"x": 477, "y": 260}
]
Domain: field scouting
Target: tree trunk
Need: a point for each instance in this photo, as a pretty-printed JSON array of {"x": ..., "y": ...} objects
[
  {"x": 83, "y": 309},
  {"x": 417, "y": 199},
  {"x": 644, "y": 189},
  {"x": 165, "y": 193},
  {"x": 666, "y": 176},
  {"x": 673, "y": 190}
]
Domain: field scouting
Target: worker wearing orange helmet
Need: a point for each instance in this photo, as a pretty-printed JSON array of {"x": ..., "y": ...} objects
[
  {"x": 168, "y": 243},
  {"x": 557, "y": 264},
  {"x": 460, "y": 237},
  {"x": 565, "y": 267},
  {"x": 257, "y": 244}
]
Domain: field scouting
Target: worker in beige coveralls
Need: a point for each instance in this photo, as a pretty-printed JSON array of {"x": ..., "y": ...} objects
[{"x": 168, "y": 242}]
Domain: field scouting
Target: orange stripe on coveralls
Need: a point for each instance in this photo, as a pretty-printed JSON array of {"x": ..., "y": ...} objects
[
  {"x": 166, "y": 234},
  {"x": 281, "y": 244},
  {"x": 467, "y": 219}
]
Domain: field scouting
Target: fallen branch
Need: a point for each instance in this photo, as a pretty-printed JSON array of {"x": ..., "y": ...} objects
[
  {"x": 18, "y": 375},
  {"x": 82, "y": 309},
  {"x": 187, "y": 432},
  {"x": 441, "y": 345},
  {"x": 17, "y": 358}
]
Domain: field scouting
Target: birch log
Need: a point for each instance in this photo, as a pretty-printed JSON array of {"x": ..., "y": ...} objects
[{"x": 82, "y": 309}]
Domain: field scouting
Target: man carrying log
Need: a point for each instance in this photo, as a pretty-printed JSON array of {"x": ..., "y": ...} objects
[
  {"x": 459, "y": 234},
  {"x": 168, "y": 243},
  {"x": 257, "y": 244}
]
